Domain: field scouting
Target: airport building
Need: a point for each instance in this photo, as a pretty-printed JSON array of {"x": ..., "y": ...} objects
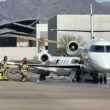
[
  {"x": 77, "y": 22},
  {"x": 16, "y": 48}
]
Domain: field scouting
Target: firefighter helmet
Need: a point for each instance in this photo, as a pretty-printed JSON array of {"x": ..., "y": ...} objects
[{"x": 25, "y": 59}]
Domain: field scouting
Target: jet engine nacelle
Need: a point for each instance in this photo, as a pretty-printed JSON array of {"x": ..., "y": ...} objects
[
  {"x": 43, "y": 57},
  {"x": 72, "y": 47}
]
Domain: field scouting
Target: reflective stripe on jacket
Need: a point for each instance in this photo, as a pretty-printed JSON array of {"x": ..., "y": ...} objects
[
  {"x": 3, "y": 66},
  {"x": 23, "y": 67}
]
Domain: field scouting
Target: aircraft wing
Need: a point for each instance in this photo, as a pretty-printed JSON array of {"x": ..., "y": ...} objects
[{"x": 72, "y": 66}]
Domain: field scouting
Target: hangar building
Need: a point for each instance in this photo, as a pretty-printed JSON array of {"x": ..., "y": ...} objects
[{"x": 17, "y": 48}]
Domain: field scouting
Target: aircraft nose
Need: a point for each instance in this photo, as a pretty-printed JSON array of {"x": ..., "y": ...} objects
[
  {"x": 105, "y": 66},
  {"x": 101, "y": 62}
]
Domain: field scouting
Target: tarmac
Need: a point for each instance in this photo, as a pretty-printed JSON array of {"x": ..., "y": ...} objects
[{"x": 53, "y": 95}]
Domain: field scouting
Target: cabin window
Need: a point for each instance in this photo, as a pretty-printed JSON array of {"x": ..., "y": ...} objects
[
  {"x": 107, "y": 48},
  {"x": 67, "y": 62},
  {"x": 61, "y": 61},
  {"x": 64, "y": 61}
]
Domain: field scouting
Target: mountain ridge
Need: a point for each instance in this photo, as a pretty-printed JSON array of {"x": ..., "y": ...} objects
[{"x": 31, "y": 9}]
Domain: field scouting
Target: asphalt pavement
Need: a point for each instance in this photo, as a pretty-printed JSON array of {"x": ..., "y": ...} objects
[{"x": 53, "y": 94}]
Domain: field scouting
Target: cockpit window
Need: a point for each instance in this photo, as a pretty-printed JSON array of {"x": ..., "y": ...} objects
[
  {"x": 92, "y": 48},
  {"x": 107, "y": 48},
  {"x": 96, "y": 48},
  {"x": 99, "y": 49}
]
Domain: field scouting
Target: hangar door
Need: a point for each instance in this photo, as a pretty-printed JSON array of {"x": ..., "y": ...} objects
[{"x": 8, "y": 42}]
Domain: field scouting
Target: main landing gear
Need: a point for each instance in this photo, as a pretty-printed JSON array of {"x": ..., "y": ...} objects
[
  {"x": 77, "y": 77},
  {"x": 99, "y": 78},
  {"x": 94, "y": 77},
  {"x": 42, "y": 77},
  {"x": 103, "y": 79}
]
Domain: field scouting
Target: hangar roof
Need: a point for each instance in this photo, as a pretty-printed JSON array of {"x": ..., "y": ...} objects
[{"x": 21, "y": 27}]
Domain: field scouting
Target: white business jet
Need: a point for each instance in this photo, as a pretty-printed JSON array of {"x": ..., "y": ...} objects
[{"x": 95, "y": 58}]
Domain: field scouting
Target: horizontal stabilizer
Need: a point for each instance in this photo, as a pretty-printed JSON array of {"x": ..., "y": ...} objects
[{"x": 80, "y": 30}]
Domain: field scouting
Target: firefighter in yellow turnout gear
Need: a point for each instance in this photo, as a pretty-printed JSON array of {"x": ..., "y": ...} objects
[
  {"x": 23, "y": 67},
  {"x": 3, "y": 69}
]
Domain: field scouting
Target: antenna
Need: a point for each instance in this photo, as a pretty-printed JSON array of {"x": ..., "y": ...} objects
[{"x": 91, "y": 23}]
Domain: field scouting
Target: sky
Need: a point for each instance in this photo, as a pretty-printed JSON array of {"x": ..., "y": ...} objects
[
  {"x": 103, "y": 0},
  {"x": 2, "y": 0}
]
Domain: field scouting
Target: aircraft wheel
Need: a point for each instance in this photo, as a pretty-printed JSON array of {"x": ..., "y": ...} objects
[
  {"x": 40, "y": 77},
  {"x": 95, "y": 77},
  {"x": 78, "y": 76},
  {"x": 44, "y": 77},
  {"x": 73, "y": 80},
  {"x": 101, "y": 80},
  {"x": 96, "y": 80},
  {"x": 105, "y": 79},
  {"x": 78, "y": 79}
]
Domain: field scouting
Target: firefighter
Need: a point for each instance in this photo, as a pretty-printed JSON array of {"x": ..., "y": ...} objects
[
  {"x": 3, "y": 69},
  {"x": 23, "y": 67}
]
